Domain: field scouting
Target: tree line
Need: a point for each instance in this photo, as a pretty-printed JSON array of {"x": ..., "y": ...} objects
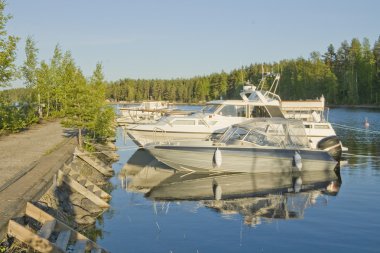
[
  {"x": 349, "y": 75},
  {"x": 53, "y": 89}
]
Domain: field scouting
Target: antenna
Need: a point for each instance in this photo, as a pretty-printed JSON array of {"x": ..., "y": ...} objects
[{"x": 260, "y": 86}]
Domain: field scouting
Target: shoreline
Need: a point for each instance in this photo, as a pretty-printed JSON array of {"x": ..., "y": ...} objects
[
  {"x": 355, "y": 106},
  {"x": 204, "y": 103}
]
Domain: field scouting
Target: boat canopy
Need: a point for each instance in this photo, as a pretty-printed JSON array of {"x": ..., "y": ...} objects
[{"x": 272, "y": 132}]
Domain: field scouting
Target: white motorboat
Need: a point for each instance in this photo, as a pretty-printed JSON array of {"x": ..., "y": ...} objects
[
  {"x": 259, "y": 145},
  {"x": 147, "y": 112},
  {"x": 218, "y": 115}
]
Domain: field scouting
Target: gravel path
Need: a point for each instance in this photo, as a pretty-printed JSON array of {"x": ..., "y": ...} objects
[
  {"x": 20, "y": 151},
  {"x": 28, "y": 163}
]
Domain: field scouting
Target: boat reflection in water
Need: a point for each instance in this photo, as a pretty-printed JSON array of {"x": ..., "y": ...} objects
[
  {"x": 254, "y": 196},
  {"x": 142, "y": 172}
]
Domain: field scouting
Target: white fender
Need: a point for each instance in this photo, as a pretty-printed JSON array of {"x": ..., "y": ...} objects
[
  {"x": 297, "y": 184},
  {"x": 217, "y": 158},
  {"x": 216, "y": 190},
  {"x": 297, "y": 160}
]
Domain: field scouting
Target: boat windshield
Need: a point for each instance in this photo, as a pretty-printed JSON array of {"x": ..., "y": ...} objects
[
  {"x": 282, "y": 134},
  {"x": 210, "y": 108}
]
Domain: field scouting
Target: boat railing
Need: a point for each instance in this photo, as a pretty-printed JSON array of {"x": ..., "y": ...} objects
[
  {"x": 133, "y": 117},
  {"x": 271, "y": 93},
  {"x": 272, "y": 96},
  {"x": 306, "y": 115},
  {"x": 157, "y": 131}
]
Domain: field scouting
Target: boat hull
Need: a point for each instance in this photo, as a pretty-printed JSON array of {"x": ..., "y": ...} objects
[
  {"x": 143, "y": 137},
  {"x": 249, "y": 160}
]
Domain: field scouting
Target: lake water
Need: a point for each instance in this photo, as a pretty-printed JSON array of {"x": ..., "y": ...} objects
[{"x": 330, "y": 213}]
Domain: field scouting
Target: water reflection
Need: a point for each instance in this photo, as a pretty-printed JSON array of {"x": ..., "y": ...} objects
[
  {"x": 254, "y": 196},
  {"x": 349, "y": 222}
]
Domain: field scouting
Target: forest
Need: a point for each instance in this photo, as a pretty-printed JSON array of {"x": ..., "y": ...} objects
[{"x": 349, "y": 75}]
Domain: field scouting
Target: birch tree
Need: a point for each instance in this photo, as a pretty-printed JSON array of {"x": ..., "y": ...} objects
[{"x": 7, "y": 49}]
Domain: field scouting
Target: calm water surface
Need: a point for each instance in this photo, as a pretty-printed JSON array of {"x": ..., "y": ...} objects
[{"x": 329, "y": 214}]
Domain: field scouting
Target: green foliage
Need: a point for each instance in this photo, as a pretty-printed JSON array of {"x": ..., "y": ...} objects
[
  {"x": 103, "y": 123},
  {"x": 30, "y": 64},
  {"x": 15, "y": 117},
  {"x": 63, "y": 92},
  {"x": 85, "y": 103},
  {"x": 7, "y": 50},
  {"x": 80, "y": 110},
  {"x": 55, "y": 88}
]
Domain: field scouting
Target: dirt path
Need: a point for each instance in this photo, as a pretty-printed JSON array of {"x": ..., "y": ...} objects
[
  {"x": 19, "y": 151},
  {"x": 28, "y": 162}
]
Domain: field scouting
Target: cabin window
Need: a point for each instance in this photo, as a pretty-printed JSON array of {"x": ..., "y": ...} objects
[
  {"x": 308, "y": 126},
  {"x": 233, "y": 134},
  {"x": 210, "y": 108},
  {"x": 184, "y": 122},
  {"x": 233, "y": 111},
  {"x": 259, "y": 112}
]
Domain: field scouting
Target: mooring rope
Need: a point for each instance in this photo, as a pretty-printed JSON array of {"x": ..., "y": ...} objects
[
  {"x": 128, "y": 148},
  {"x": 345, "y": 127},
  {"x": 349, "y": 155},
  {"x": 356, "y": 155}
]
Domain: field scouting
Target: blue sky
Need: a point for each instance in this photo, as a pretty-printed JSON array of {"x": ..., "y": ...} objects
[{"x": 178, "y": 38}]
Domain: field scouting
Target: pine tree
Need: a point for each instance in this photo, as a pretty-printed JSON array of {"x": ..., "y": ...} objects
[{"x": 330, "y": 56}]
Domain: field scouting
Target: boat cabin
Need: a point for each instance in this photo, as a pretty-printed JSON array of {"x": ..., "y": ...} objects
[
  {"x": 245, "y": 109},
  {"x": 273, "y": 132}
]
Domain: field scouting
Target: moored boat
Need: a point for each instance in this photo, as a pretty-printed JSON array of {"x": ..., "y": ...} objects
[
  {"x": 146, "y": 112},
  {"x": 256, "y": 146},
  {"x": 214, "y": 119}
]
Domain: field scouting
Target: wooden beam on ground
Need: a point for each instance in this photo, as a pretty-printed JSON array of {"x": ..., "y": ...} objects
[
  {"x": 33, "y": 240},
  {"x": 91, "y": 186},
  {"x": 96, "y": 164},
  {"x": 41, "y": 244},
  {"x": 82, "y": 190},
  {"x": 37, "y": 214}
]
